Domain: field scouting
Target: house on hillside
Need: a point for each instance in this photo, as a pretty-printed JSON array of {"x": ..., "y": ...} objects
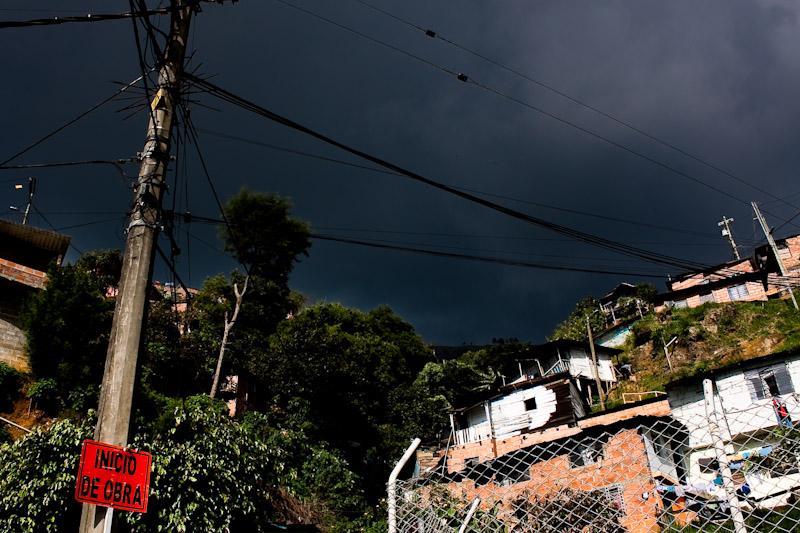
[
  {"x": 575, "y": 358},
  {"x": 758, "y": 408},
  {"x": 755, "y": 278},
  {"x": 26, "y": 253},
  {"x": 520, "y": 407},
  {"x": 548, "y": 453},
  {"x": 740, "y": 280},
  {"x": 622, "y": 303}
]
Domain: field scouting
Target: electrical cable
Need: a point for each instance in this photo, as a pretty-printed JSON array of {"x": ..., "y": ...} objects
[
  {"x": 80, "y": 252},
  {"x": 89, "y": 17},
  {"x": 195, "y": 141},
  {"x": 485, "y": 259},
  {"x": 116, "y": 163},
  {"x": 467, "y": 79},
  {"x": 333, "y": 160},
  {"x": 565, "y": 230},
  {"x": 436, "y": 35},
  {"x": 70, "y": 122}
]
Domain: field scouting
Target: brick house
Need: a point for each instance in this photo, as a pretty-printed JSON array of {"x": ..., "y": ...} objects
[
  {"x": 750, "y": 279},
  {"x": 612, "y": 457},
  {"x": 25, "y": 255}
]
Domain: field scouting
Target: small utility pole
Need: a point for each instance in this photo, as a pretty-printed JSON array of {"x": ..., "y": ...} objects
[
  {"x": 776, "y": 253},
  {"x": 594, "y": 365},
  {"x": 31, "y": 193},
  {"x": 726, "y": 232},
  {"x": 116, "y": 393}
]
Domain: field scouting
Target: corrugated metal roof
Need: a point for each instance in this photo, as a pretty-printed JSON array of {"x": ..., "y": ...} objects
[{"x": 50, "y": 241}]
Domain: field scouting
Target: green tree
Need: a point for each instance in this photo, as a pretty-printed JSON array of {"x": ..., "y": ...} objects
[
  {"x": 67, "y": 327},
  {"x": 346, "y": 367},
  {"x": 263, "y": 235},
  {"x": 574, "y": 327}
]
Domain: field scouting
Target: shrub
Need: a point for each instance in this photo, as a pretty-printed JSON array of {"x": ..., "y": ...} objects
[{"x": 37, "y": 479}]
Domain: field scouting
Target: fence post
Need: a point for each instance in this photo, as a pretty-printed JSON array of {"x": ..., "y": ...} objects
[
  {"x": 722, "y": 458},
  {"x": 391, "y": 491},
  {"x": 472, "y": 509}
]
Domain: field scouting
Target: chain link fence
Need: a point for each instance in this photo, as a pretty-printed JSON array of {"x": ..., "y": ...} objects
[{"x": 699, "y": 468}]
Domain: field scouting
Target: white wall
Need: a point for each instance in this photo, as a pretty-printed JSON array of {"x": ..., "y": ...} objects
[
  {"x": 509, "y": 416},
  {"x": 580, "y": 365}
]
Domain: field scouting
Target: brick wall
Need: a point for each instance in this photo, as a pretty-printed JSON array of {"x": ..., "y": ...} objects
[
  {"x": 12, "y": 346},
  {"x": 624, "y": 464},
  {"x": 22, "y": 274}
]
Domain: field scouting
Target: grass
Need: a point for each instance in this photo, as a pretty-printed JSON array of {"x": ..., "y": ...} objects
[{"x": 709, "y": 336}]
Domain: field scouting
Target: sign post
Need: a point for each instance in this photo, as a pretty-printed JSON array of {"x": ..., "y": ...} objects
[{"x": 114, "y": 477}]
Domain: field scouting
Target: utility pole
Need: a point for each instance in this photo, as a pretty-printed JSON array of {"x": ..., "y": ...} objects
[
  {"x": 726, "y": 232},
  {"x": 594, "y": 365},
  {"x": 116, "y": 393},
  {"x": 775, "y": 252},
  {"x": 31, "y": 192}
]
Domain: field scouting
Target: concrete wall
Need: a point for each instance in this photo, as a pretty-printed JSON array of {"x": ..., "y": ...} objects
[{"x": 12, "y": 346}]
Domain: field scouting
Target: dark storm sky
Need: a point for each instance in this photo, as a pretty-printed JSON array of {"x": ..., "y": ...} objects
[{"x": 717, "y": 78}]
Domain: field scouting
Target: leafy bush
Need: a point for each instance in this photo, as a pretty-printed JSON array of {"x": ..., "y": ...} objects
[
  {"x": 37, "y": 479},
  {"x": 44, "y": 394}
]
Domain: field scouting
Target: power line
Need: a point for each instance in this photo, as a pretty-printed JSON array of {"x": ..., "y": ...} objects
[
  {"x": 564, "y": 230},
  {"x": 485, "y": 259},
  {"x": 116, "y": 163},
  {"x": 89, "y": 17},
  {"x": 336, "y": 161},
  {"x": 467, "y": 79},
  {"x": 196, "y": 142},
  {"x": 70, "y": 122},
  {"x": 80, "y": 252},
  {"x": 436, "y": 35}
]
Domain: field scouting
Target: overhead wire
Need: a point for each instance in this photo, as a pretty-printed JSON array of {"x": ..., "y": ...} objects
[
  {"x": 565, "y": 230},
  {"x": 69, "y": 122},
  {"x": 469, "y": 80},
  {"x": 549, "y": 87},
  {"x": 89, "y": 17},
  {"x": 342, "y": 162},
  {"x": 47, "y": 221},
  {"x": 196, "y": 143}
]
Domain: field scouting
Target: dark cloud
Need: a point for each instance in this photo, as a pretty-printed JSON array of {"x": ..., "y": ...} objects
[{"x": 716, "y": 78}]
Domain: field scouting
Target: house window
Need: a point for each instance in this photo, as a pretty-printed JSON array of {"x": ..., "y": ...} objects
[
  {"x": 530, "y": 404},
  {"x": 770, "y": 381},
  {"x": 738, "y": 292},
  {"x": 586, "y": 453},
  {"x": 706, "y": 298}
]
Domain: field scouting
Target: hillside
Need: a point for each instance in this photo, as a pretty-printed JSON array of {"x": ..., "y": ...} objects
[{"x": 708, "y": 337}]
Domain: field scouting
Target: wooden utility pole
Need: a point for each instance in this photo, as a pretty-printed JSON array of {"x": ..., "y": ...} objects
[
  {"x": 595, "y": 367},
  {"x": 775, "y": 251},
  {"x": 123, "y": 347}
]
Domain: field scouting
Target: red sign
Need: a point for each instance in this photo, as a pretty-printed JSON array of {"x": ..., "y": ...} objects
[{"x": 113, "y": 476}]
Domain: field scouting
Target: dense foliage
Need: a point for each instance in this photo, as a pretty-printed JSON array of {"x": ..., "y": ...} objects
[
  {"x": 67, "y": 327},
  {"x": 210, "y": 473}
]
